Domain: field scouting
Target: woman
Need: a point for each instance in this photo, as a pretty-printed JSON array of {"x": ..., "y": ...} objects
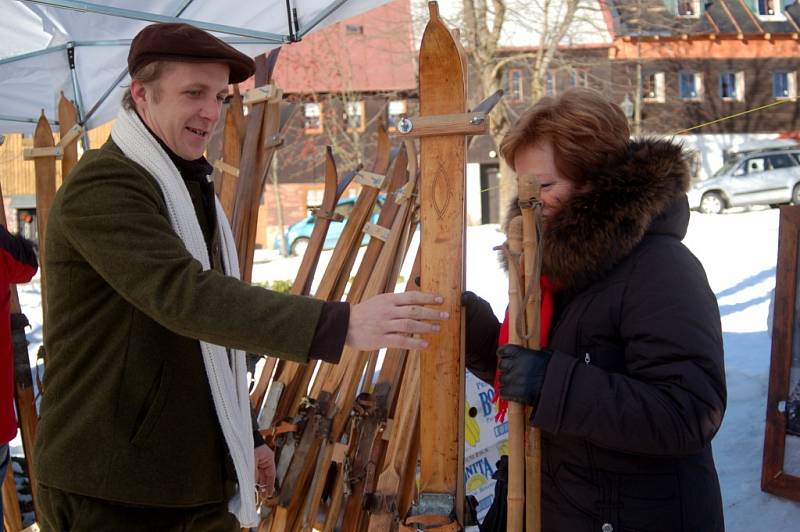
[{"x": 631, "y": 387}]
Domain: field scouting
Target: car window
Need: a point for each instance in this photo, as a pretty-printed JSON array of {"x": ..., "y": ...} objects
[
  {"x": 726, "y": 168},
  {"x": 781, "y": 160},
  {"x": 754, "y": 165}
]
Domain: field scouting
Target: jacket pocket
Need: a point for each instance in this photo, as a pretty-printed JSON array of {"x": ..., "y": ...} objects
[
  {"x": 608, "y": 357},
  {"x": 643, "y": 502},
  {"x": 153, "y": 407}
]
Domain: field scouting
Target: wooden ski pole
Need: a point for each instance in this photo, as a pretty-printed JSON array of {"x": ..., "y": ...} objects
[
  {"x": 516, "y": 411},
  {"x": 528, "y": 191}
]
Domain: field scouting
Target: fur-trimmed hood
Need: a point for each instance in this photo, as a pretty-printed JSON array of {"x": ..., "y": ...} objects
[{"x": 641, "y": 192}]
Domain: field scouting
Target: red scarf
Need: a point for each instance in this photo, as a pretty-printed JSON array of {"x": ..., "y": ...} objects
[{"x": 549, "y": 289}]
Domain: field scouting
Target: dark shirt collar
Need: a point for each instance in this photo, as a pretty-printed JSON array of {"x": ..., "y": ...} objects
[{"x": 196, "y": 170}]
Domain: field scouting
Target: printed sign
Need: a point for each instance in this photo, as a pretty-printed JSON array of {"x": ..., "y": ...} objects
[{"x": 485, "y": 441}]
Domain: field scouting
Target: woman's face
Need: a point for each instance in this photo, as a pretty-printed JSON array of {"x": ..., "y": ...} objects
[{"x": 537, "y": 160}]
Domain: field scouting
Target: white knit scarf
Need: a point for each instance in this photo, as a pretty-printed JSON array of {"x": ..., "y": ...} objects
[{"x": 227, "y": 381}]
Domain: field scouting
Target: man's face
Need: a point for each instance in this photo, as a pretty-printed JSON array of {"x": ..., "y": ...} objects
[{"x": 183, "y": 104}]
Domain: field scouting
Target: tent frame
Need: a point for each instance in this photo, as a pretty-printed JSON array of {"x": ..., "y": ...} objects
[{"x": 241, "y": 36}]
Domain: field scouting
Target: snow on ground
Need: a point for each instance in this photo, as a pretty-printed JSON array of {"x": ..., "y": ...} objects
[{"x": 739, "y": 252}]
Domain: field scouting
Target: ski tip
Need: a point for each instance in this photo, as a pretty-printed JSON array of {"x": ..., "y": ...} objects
[{"x": 433, "y": 9}]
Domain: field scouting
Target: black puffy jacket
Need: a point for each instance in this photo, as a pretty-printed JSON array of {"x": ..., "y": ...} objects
[{"x": 636, "y": 389}]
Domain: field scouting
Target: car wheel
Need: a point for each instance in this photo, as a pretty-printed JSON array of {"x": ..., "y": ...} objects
[
  {"x": 796, "y": 195},
  {"x": 711, "y": 203},
  {"x": 299, "y": 246}
]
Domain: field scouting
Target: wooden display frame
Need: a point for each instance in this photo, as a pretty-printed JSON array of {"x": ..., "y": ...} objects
[{"x": 785, "y": 356}]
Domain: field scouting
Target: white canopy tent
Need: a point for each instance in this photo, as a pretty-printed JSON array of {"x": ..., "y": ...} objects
[{"x": 80, "y": 48}]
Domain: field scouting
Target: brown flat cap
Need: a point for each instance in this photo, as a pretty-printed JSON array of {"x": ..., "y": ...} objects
[{"x": 185, "y": 43}]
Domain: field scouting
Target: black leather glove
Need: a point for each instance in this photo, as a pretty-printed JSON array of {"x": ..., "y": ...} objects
[
  {"x": 522, "y": 373},
  {"x": 482, "y": 330}
]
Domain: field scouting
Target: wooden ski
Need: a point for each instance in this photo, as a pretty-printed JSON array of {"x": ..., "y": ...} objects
[
  {"x": 375, "y": 413},
  {"x": 335, "y": 279},
  {"x": 261, "y": 140},
  {"x": 392, "y": 253},
  {"x": 442, "y": 92},
  {"x": 341, "y": 382},
  {"x": 67, "y": 121},
  {"x": 294, "y": 464},
  {"x": 45, "y": 168},
  {"x": 286, "y": 372},
  {"x": 337, "y": 273},
  {"x": 228, "y": 166},
  {"x": 390, "y": 206},
  {"x": 383, "y": 505},
  {"x": 12, "y": 517}
]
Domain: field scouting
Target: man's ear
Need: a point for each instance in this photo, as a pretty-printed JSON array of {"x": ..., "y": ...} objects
[{"x": 139, "y": 92}]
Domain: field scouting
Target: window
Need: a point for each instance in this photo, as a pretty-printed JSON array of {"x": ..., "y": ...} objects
[
  {"x": 781, "y": 160},
  {"x": 397, "y": 110},
  {"x": 354, "y": 114},
  {"x": 653, "y": 87},
  {"x": 515, "y": 85},
  {"x": 579, "y": 78},
  {"x": 354, "y": 29},
  {"x": 784, "y": 84},
  {"x": 766, "y": 7},
  {"x": 754, "y": 165},
  {"x": 550, "y": 83},
  {"x": 312, "y": 112},
  {"x": 689, "y": 8},
  {"x": 731, "y": 86},
  {"x": 690, "y": 85}
]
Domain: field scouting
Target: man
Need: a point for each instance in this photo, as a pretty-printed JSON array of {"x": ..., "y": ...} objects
[
  {"x": 18, "y": 264},
  {"x": 145, "y": 418}
]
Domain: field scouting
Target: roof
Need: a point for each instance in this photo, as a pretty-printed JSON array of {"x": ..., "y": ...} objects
[
  {"x": 371, "y": 52},
  {"x": 736, "y": 17}
]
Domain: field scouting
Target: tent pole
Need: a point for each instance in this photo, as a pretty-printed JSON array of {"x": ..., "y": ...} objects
[{"x": 76, "y": 91}]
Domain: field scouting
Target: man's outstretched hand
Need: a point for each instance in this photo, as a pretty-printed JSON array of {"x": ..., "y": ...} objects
[{"x": 386, "y": 320}]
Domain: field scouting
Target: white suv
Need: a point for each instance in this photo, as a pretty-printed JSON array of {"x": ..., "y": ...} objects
[{"x": 766, "y": 177}]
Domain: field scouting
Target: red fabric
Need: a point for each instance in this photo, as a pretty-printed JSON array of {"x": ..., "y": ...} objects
[
  {"x": 549, "y": 289},
  {"x": 12, "y": 271}
]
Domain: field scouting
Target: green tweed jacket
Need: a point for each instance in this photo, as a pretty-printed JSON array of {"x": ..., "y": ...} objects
[{"x": 127, "y": 413}]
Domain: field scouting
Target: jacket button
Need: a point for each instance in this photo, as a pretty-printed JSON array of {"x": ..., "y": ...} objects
[{"x": 607, "y": 527}]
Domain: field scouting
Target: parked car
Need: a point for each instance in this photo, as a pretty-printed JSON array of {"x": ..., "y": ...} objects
[
  {"x": 761, "y": 177},
  {"x": 299, "y": 233}
]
